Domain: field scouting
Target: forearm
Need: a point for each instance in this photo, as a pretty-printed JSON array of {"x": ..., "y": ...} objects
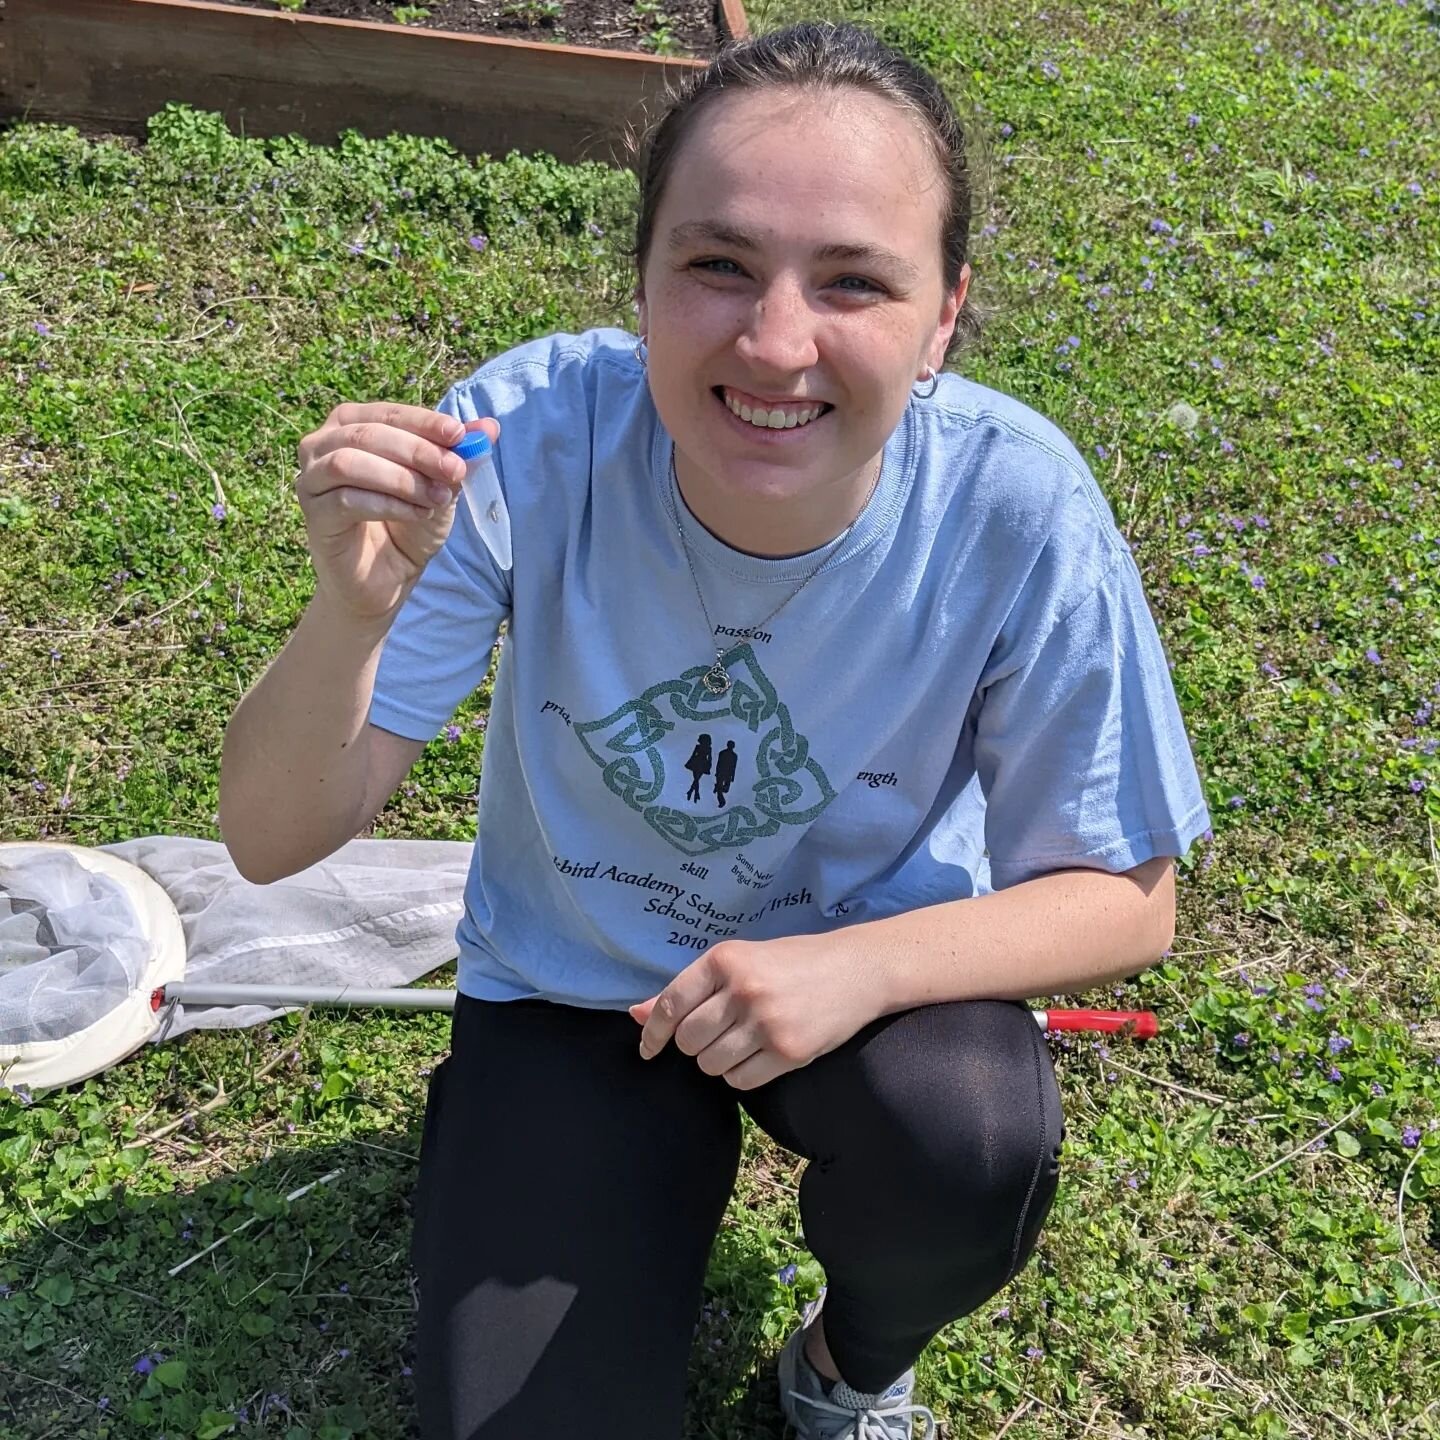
[
  {"x": 294, "y": 765},
  {"x": 1059, "y": 934}
]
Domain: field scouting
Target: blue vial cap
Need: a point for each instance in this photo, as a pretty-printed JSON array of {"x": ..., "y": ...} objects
[{"x": 473, "y": 446}]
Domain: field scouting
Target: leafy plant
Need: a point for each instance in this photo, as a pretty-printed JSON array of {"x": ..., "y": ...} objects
[{"x": 535, "y": 14}]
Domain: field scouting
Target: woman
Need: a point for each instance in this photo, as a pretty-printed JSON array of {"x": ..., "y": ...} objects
[{"x": 957, "y": 775}]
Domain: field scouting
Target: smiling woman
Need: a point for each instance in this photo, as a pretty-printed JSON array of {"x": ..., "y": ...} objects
[{"x": 762, "y": 553}]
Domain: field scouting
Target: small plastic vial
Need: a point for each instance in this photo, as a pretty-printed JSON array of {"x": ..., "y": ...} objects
[{"x": 482, "y": 494}]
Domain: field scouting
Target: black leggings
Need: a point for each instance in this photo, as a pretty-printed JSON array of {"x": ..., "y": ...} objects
[{"x": 569, "y": 1193}]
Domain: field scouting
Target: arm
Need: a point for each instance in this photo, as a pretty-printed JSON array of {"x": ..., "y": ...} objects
[
  {"x": 752, "y": 1010},
  {"x": 1061, "y": 933},
  {"x": 302, "y": 771}
]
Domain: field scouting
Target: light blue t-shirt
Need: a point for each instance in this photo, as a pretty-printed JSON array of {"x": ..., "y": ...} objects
[{"x": 969, "y": 693}]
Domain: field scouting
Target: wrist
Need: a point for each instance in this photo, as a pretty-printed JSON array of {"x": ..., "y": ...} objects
[
  {"x": 343, "y": 627},
  {"x": 868, "y": 962}
]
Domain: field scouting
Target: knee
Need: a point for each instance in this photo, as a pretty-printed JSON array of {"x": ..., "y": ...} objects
[{"x": 969, "y": 1108}]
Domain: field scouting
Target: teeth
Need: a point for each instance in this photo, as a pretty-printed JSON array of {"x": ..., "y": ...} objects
[{"x": 773, "y": 419}]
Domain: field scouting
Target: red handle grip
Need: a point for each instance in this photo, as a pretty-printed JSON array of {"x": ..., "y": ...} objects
[{"x": 1139, "y": 1023}]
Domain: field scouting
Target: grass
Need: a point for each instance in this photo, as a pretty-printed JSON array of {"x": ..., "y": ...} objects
[{"x": 1211, "y": 242}]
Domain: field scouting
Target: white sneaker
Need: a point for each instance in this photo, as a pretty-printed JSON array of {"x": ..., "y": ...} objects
[{"x": 843, "y": 1414}]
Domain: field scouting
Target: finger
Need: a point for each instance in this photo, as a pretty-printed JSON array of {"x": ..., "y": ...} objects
[
  {"x": 758, "y": 1069},
  {"x": 433, "y": 425},
  {"x": 706, "y": 1023},
  {"x": 691, "y": 987},
  {"x": 360, "y": 470},
  {"x": 641, "y": 1013},
  {"x": 489, "y": 426},
  {"x": 355, "y": 505},
  {"x": 731, "y": 1048},
  {"x": 414, "y": 452}
]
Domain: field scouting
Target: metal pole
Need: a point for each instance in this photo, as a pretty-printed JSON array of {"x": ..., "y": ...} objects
[
  {"x": 1139, "y": 1024},
  {"x": 346, "y": 996}
]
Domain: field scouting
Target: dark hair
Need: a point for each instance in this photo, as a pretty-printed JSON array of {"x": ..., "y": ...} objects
[{"x": 822, "y": 56}]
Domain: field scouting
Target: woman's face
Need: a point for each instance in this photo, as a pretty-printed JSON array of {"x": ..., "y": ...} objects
[{"x": 794, "y": 278}]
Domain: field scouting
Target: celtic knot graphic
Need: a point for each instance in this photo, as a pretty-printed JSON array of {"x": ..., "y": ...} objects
[{"x": 789, "y": 789}]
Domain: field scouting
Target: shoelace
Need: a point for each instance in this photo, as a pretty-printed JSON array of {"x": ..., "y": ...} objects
[{"x": 892, "y": 1423}]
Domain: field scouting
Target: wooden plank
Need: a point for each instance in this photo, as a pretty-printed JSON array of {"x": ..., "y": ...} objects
[
  {"x": 110, "y": 64},
  {"x": 733, "y": 21}
]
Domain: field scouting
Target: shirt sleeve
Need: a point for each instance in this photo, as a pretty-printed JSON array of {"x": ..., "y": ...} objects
[
  {"x": 1081, "y": 750},
  {"x": 438, "y": 650}
]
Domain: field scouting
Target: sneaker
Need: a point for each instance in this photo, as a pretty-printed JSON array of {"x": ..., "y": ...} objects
[{"x": 820, "y": 1411}]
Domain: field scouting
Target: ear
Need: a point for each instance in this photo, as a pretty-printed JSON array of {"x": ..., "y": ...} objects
[{"x": 949, "y": 315}]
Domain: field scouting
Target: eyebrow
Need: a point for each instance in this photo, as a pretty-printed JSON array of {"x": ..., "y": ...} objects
[{"x": 693, "y": 231}]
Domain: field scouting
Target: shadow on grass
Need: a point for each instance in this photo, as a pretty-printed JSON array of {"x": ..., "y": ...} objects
[{"x": 300, "y": 1324}]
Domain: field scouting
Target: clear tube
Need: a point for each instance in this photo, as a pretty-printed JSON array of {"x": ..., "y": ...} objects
[{"x": 486, "y": 503}]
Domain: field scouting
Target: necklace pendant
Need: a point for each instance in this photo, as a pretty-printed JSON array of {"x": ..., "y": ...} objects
[{"x": 715, "y": 679}]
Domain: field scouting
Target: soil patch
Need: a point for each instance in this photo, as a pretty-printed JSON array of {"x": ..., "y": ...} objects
[{"x": 663, "y": 27}]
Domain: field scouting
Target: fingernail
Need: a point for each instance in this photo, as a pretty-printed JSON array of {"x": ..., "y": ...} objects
[
  {"x": 644, "y": 1053},
  {"x": 453, "y": 432}
]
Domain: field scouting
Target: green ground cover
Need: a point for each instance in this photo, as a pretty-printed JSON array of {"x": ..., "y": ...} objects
[{"x": 1211, "y": 245}]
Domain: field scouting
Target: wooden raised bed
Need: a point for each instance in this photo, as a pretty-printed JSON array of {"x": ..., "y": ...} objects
[{"x": 111, "y": 64}]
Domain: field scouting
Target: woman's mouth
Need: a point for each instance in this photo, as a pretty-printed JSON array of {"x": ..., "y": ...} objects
[{"x": 761, "y": 413}]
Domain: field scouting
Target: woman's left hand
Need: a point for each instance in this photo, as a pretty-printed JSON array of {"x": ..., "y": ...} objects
[{"x": 753, "y": 1010}]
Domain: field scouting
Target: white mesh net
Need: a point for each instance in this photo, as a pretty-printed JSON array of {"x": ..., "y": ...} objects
[
  {"x": 87, "y": 934},
  {"x": 71, "y": 947}
]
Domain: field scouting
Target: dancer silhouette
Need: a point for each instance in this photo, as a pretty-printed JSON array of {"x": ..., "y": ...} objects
[
  {"x": 724, "y": 771},
  {"x": 699, "y": 764}
]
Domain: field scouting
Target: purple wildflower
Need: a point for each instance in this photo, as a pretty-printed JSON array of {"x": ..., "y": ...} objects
[
  {"x": 1410, "y": 1136},
  {"x": 787, "y": 1275},
  {"x": 478, "y": 243},
  {"x": 1242, "y": 1039},
  {"x": 1159, "y": 227}
]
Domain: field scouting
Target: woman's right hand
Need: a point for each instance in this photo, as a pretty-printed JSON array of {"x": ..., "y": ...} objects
[{"x": 378, "y": 484}]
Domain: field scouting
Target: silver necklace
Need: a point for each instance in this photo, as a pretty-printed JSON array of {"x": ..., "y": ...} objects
[{"x": 716, "y": 679}]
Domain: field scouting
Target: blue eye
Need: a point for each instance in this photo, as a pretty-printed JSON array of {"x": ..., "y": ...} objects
[
  {"x": 717, "y": 261},
  {"x": 848, "y": 282}
]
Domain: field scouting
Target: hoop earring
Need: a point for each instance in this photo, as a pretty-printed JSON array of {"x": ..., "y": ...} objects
[
  {"x": 934, "y": 380},
  {"x": 641, "y": 353}
]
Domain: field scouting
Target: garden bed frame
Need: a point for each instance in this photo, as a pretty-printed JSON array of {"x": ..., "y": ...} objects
[{"x": 111, "y": 64}]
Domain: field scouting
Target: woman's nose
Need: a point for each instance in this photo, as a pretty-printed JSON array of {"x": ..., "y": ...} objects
[{"x": 780, "y": 334}]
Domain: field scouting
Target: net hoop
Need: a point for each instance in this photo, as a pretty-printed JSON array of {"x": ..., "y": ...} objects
[{"x": 128, "y": 1025}]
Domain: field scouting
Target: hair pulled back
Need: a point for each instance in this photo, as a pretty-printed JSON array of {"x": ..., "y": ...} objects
[{"x": 818, "y": 56}]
